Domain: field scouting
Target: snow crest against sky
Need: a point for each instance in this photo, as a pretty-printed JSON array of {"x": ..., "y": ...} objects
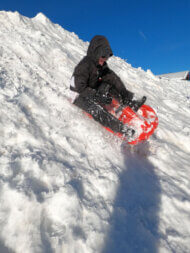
[
  {"x": 149, "y": 34},
  {"x": 66, "y": 184}
]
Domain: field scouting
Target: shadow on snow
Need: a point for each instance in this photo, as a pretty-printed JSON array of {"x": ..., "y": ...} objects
[{"x": 135, "y": 219}]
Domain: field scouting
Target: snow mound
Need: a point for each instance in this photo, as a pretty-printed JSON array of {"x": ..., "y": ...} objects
[{"x": 67, "y": 185}]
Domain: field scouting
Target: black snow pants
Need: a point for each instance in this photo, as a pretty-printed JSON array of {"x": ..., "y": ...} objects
[{"x": 94, "y": 105}]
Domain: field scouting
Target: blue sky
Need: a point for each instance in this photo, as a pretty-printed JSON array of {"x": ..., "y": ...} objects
[{"x": 152, "y": 34}]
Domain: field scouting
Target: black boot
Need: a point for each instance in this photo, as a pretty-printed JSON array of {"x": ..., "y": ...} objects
[
  {"x": 127, "y": 131},
  {"x": 136, "y": 104}
]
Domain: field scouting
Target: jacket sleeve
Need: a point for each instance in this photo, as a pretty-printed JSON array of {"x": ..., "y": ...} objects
[
  {"x": 81, "y": 76},
  {"x": 119, "y": 86}
]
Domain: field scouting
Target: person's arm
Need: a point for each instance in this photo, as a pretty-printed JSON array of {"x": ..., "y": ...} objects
[
  {"x": 80, "y": 76},
  {"x": 127, "y": 96},
  {"x": 115, "y": 80},
  {"x": 80, "y": 79}
]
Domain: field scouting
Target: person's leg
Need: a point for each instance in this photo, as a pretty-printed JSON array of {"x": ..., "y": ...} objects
[{"x": 100, "y": 114}]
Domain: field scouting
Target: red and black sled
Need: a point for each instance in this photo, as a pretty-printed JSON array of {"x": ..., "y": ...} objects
[{"x": 144, "y": 121}]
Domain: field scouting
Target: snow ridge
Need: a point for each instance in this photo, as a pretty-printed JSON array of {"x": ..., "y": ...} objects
[{"x": 67, "y": 185}]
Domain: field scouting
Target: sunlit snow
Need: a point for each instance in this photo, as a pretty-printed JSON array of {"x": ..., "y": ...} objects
[{"x": 66, "y": 184}]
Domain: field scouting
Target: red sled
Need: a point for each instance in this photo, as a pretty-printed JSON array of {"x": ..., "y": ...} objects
[{"x": 144, "y": 121}]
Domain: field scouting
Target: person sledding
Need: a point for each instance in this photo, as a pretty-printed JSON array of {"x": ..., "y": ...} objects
[{"x": 94, "y": 85}]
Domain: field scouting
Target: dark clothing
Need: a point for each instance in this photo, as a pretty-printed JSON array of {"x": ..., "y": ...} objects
[
  {"x": 89, "y": 75},
  {"x": 93, "y": 103},
  {"x": 99, "y": 113},
  {"x": 99, "y": 47},
  {"x": 95, "y": 84}
]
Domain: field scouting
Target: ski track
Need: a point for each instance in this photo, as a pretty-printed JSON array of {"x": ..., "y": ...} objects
[{"x": 66, "y": 184}]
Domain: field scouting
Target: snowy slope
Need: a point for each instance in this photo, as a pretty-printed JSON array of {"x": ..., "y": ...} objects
[{"x": 66, "y": 184}]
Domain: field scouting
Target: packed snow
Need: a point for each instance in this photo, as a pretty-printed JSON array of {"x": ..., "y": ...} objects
[{"x": 66, "y": 184}]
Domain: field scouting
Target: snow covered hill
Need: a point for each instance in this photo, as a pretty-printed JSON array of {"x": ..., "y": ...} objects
[{"x": 66, "y": 184}]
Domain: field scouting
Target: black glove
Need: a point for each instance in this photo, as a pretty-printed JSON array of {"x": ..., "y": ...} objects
[
  {"x": 127, "y": 97},
  {"x": 102, "y": 95}
]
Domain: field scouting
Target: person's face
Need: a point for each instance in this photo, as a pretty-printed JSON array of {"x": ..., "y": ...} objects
[{"x": 102, "y": 60}]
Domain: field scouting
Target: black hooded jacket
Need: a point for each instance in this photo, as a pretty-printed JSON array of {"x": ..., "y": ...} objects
[{"x": 88, "y": 74}]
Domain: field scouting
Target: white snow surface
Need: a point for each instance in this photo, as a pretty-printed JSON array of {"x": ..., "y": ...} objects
[{"x": 68, "y": 185}]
